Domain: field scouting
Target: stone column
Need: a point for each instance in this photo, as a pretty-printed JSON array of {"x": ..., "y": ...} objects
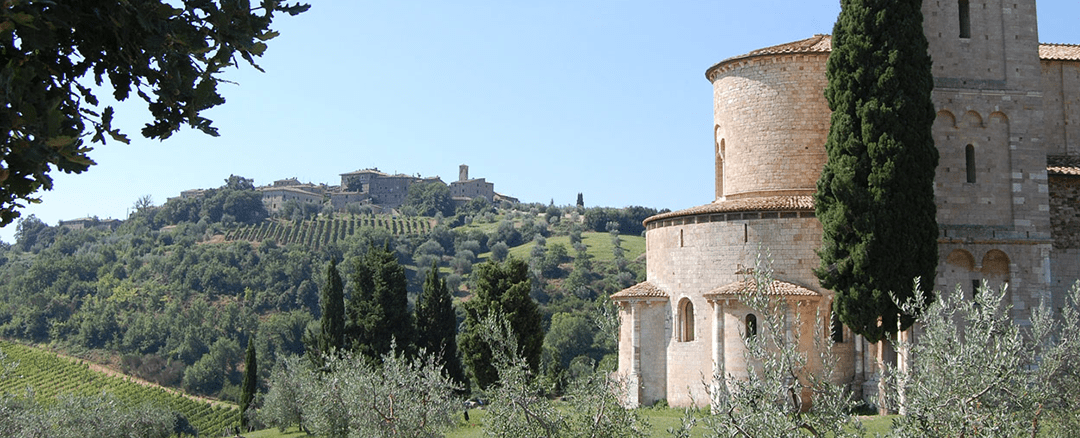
[
  {"x": 633, "y": 376},
  {"x": 718, "y": 336}
]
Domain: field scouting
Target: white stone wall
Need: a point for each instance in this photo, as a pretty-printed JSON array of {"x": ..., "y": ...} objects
[
  {"x": 771, "y": 123},
  {"x": 696, "y": 258}
]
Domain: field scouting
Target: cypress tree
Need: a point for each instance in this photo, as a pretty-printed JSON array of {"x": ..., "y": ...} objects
[
  {"x": 251, "y": 377},
  {"x": 331, "y": 335},
  {"x": 436, "y": 324},
  {"x": 379, "y": 308},
  {"x": 875, "y": 197},
  {"x": 501, "y": 288}
]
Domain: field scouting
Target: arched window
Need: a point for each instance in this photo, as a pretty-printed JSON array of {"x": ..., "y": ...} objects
[
  {"x": 969, "y": 160},
  {"x": 837, "y": 328},
  {"x": 965, "y": 19},
  {"x": 719, "y": 164},
  {"x": 686, "y": 320},
  {"x": 751, "y": 325}
]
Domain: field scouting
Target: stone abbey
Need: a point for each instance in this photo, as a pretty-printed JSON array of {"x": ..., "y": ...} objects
[{"x": 1007, "y": 191}]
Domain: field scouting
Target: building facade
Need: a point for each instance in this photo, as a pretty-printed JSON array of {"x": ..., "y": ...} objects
[{"x": 1007, "y": 189}]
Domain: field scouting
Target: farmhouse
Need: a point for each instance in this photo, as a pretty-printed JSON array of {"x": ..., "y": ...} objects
[{"x": 1007, "y": 190}]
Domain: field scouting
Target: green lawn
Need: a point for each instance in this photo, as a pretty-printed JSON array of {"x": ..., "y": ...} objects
[
  {"x": 599, "y": 245},
  {"x": 660, "y": 421}
]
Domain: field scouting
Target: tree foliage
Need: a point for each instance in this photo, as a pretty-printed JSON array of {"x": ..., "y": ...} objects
[
  {"x": 501, "y": 289},
  {"x": 875, "y": 197},
  {"x": 774, "y": 397},
  {"x": 55, "y": 52},
  {"x": 352, "y": 397},
  {"x": 379, "y": 306},
  {"x": 331, "y": 334},
  {"x": 519, "y": 408},
  {"x": 436, "y": 324},
  {"x": 251, "y": 381},
  {"x": 430, "y": 198},
  {"x": 974, "y": 372}
]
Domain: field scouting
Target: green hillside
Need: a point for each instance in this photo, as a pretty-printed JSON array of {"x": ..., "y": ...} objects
[
  {"x": 599, "y": 245},
  {"x": 47, "y": 375}
]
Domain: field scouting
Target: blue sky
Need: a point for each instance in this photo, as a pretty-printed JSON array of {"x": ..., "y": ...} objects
[{"x": 544, "y": 99}]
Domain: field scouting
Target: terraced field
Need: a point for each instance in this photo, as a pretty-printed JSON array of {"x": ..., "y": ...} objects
[{"x": 48, "y": 375}]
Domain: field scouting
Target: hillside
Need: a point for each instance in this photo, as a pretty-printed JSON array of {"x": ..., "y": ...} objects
[
  {"x": 172, "y": 295},
  {"x": 46, "y": 375}
]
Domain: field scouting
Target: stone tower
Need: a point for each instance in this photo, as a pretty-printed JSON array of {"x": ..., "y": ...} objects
[
  {"x": 463, "y": 173},
  {"x": 991, "y": 184}
]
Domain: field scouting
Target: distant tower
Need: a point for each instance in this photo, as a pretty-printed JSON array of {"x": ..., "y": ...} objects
[{"x": 463, "y": 172}]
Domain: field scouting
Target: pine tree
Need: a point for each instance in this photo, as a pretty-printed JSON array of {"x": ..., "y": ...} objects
[
  {"x": 379, "y": 308},
  {"x": 501, "y": 288},
  {"x": 875, "y": 197},
  {"x": 436, "y": 324},
  {"x": 251, "y": 377}
]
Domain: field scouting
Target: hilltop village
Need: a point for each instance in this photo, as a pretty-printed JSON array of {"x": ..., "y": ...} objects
[{"x": 368, "y": 187}]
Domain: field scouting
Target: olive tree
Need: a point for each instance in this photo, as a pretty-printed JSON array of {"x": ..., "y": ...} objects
[{"x": 975, "y": 372}]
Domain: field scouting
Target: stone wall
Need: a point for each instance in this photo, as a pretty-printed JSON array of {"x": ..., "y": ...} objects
[
  {"x": 695, "y": 258},
  {"x": 771, "y": 124},
  {"x": 1061, "y": 101},
  {"x": 1002, "y": 47}
]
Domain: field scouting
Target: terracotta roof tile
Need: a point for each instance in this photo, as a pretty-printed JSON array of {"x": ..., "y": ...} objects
[
  {"x": 779, "y": 288},
  {"x": 815, "y": 44},
  {"x": 640, "y": 290},
  {"x": 764, "y": 203},
  {"x": 1062, "y": 52},
  {"x": 1062, "y": 165},
  {"x": 823, "y": 44}
]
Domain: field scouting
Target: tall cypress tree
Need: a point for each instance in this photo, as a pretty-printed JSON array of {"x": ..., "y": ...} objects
[
  {"x": 251, "y": 378},
  {"x": 436, "y": 323},
  {"x": 501, "y": 288},
  {"x": 331, "y": 335},
  {"x": 379, "y": 307},
  {"x": 875, "y": 198}
]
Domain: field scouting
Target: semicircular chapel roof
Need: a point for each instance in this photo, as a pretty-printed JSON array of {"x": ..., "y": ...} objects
[
  {"x": 815, "y": 44},
  {"x": 822, "y": 43},
  {"x": 762, "y": 203},
  {"x": 778, "y": 288}
]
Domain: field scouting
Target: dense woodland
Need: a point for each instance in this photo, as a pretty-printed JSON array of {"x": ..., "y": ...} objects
[{"x": 175, "y": 292}]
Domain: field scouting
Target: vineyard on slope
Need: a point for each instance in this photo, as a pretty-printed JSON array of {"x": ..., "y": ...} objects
[
  {"x": 47, "y": 376},
  {"x": 318, "y": 233}
]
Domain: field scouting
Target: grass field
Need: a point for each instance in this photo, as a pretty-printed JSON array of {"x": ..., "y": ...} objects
[
  {"x": 660, "y": 421},
  {"x": 598, "y": 244}
]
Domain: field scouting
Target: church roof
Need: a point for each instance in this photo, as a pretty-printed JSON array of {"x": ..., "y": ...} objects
[
  {"x": 640, "y": 290},
  {"x": 1059, "y": 52},
  {"x": 779, "y": 288},
  {"x": 815, "y": 44},
  {"x": 763, "y": 203},
  {"x": 1062, "y": 165},
  {"x": 823, "y": 44}
]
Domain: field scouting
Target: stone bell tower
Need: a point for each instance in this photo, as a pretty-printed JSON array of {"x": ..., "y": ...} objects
[{"x": 991, "y": 183}]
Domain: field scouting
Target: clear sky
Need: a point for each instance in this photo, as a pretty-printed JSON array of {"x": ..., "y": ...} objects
[{"x": 544, "y": 99}]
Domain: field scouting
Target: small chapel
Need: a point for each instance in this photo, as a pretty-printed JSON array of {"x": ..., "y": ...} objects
[{"x": 1007, "y": 191}]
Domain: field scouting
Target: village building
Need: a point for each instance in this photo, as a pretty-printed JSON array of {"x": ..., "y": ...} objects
[
  {"x": 1007, "y": 190},
  {"x": 466, "y": 188}
]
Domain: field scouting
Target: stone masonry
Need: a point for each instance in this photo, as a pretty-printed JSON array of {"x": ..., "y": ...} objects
[{"x": 1007, "y": 191}]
